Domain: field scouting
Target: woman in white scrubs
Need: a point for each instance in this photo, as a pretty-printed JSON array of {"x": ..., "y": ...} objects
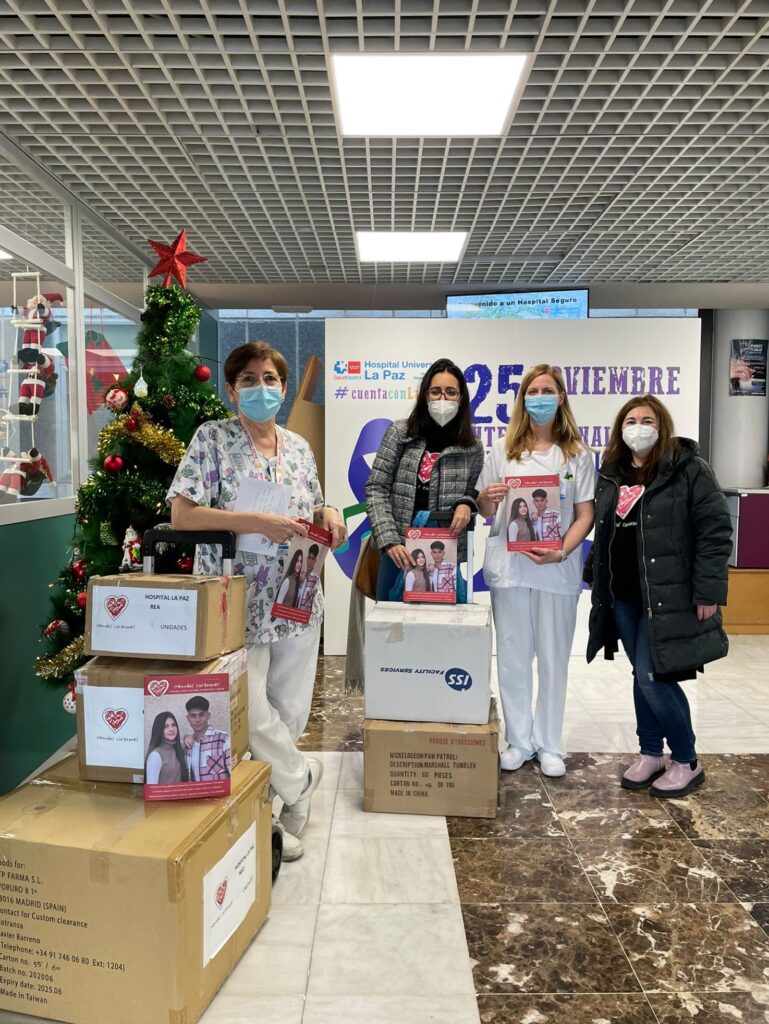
[{"x": 534, "y": 593}]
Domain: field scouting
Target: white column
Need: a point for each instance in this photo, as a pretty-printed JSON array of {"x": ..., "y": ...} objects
[{"x": 739, "y": 429}]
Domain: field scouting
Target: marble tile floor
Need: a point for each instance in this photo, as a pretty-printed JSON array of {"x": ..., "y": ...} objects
[{"x": 580, "y": 903}]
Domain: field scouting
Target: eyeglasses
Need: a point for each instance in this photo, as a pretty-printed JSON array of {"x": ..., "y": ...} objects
[
  {"x": 250, "y": 380},
  {"x": 451, "y": 393}
]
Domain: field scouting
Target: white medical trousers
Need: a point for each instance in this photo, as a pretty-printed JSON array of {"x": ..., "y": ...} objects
[
  {"x": 281, "y": 677},
  {"x": 533, "y": 623}
]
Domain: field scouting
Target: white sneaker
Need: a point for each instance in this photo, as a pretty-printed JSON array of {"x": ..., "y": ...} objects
[
  {"x": 551, "y": 765},
  {"x": 513, "y": 758},
  {"x": 296, "y": 816},
  {"x": 292, "y": 847}
]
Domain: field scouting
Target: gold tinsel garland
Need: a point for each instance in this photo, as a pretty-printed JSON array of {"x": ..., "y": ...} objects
[
  {"x": 163, "y": 442},
  {"x": 56, "y": 665}
]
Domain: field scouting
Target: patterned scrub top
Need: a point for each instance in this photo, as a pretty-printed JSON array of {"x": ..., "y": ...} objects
[{"x": 220, "y": 455}]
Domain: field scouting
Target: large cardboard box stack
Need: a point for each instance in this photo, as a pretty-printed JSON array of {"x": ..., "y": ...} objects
[
  {"x": 427, "y": 705},
  {"x": 110, "y": 710},
  {"x": 146, "y": 625},
  {"x": 116, "y": 910}
]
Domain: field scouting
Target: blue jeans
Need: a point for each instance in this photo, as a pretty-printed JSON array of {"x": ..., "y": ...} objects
[{"x": 661, "y": 709}]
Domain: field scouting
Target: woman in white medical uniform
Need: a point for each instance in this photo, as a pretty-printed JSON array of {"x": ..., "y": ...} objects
[{"x": 534, "y": 593}]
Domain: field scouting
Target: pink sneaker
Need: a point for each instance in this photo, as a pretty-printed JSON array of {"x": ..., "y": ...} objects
[
  {"x": 678, "y": 780},
  {"x": 641, "y": 774}
]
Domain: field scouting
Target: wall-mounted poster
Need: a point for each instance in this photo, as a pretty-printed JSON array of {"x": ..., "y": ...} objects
[{"x": 747, "y": 367}]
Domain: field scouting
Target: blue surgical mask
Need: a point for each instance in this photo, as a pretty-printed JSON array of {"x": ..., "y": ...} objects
[
  {"x": 259, "y": 403},
  {"x": 541, "y": 408}
]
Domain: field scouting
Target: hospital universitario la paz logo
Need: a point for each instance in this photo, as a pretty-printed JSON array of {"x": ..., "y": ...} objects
[{"x": 347, "y": 368}]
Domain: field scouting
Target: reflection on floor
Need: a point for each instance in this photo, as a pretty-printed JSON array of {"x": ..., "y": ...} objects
[{"x": 581, "y": 902}]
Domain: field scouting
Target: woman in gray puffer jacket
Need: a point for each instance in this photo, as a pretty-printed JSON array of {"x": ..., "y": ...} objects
[{"x": 658, "y": 569}]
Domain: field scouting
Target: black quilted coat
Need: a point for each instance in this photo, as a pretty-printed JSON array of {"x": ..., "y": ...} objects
[{"x": 684, "y": 542}]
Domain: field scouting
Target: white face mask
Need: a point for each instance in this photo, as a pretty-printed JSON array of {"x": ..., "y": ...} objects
[
  {"x": 443, "y": 411},
  {"x": 640, "y": 437}
]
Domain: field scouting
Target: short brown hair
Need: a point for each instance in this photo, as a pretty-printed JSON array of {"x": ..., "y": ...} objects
[
  {"x": 618, "y": 454},
  {"x": 240, "y": 357}
]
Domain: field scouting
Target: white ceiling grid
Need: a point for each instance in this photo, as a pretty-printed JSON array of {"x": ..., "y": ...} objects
[{"x": 638, "y": 151}]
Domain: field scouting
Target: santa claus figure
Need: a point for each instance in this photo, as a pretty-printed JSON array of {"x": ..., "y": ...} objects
[
  {"x": 39, "y": 324},
  {"x": 24, "y": 475},
  {"x": 31, "y": 393}
]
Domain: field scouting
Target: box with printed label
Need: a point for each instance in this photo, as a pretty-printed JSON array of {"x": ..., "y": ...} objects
[
  {"x": 113, "y": 909},
  {"x": 110, "y": 710},
  {"x": 431, "y": 768},
  {"x": 188, "y": 618},
  {"x": 428, "y": 664}
]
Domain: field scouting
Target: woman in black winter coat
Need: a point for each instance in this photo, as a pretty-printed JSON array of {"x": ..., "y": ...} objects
[{"x": 658, "y": 569}]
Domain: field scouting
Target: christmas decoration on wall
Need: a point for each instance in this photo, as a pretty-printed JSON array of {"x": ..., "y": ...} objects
[
  {"x": 137, "y": 454},
  {"x": 174, "y": 259},
  {"x": 22, "y": 475}
]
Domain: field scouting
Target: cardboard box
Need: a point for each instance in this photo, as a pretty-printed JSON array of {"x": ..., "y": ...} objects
[
  {"x": 428, "y": 664},
  {"x": 431, "y": 768},
  {"x": 110, "y": 710},
  {"x": 113, "y": 909},
  {"x": 187, "y": 618}
]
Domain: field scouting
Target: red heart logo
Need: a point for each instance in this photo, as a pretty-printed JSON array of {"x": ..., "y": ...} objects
[
  {"x": 115, "y": 605},
  {"x": 221, "y": 893},
  {"x": 628, "y": 496},
  {"x": 115, "y": 719},
  {"x": 157, "y": 687},
  {"x": 415, "y": 534},
  {"x": 513, "y": 482}
]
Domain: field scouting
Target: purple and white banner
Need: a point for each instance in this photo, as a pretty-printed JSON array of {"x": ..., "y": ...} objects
[{"x": 373, "y": 370}]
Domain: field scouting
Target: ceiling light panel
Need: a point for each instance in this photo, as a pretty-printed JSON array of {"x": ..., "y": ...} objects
[
  {"x": 420, "y": 95},
  {"x": 410, "y": 246}
]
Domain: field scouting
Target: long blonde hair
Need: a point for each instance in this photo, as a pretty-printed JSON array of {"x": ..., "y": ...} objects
[{"x": 566, "y": 433}]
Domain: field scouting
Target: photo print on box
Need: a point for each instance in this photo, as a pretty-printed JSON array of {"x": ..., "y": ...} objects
[
  {"x": 533, "y": 512},
  {"x": 433, "y": 577},
  {"x": 187, "y": 731},
  {"x": 300, "y": 582}
]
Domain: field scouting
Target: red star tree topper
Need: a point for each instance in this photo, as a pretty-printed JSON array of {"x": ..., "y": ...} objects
[{"x": 174, "y": 259}]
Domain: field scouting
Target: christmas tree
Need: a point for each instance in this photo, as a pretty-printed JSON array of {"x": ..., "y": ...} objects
[{"x": 157, "y": 407}]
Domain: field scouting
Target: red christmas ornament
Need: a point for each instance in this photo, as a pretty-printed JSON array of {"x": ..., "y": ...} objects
[
  {"x": 113, "y": 464},
  {"x": 184, "y": 564},
  {"x": 131, "y": 424},
  {"x": 174, "y": 259},
  {"x": 116, "y": 399},
  {"x": 57, "y": 627},
  {"x": 202, "y": 373},
  {"x": 82, "y": 599},
  {"x": 79, "y": 569}
]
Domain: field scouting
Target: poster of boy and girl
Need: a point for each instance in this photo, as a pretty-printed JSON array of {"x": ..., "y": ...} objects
[
  {"x": 533, "y": 519},
  {"x": 193, "y": 759}
]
